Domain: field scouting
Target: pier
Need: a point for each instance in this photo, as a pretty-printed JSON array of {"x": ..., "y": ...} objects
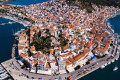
[
  {"x": 12, "y": 70},
  {"x": 4, "y": 75}
]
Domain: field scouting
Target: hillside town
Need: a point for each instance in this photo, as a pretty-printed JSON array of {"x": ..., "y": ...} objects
[
  {"x": 87, "y": 37},
  {"x": 61, "y": 38}
]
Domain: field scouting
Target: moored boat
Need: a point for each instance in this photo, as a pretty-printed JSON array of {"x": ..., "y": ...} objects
[{"x": 115, "y": 68}]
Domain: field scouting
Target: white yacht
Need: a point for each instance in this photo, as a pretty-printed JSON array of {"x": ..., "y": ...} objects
[
  {"x": 103, "y": 66},
  {"x": 115, "y": 68}
]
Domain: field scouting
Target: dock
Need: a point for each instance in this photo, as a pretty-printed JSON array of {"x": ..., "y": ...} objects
[
  {"x": 12, "y": 70},
  {"x": 4, "y": 75}
]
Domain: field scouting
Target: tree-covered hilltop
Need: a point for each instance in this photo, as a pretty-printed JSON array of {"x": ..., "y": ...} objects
[{"x": 87, "y": 4}]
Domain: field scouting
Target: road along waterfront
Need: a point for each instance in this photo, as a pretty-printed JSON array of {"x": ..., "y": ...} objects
[{"x": 107, "y": 73}]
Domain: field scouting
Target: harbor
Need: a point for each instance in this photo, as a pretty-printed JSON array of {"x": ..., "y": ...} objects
[
  {"x": 13, "y": 70},
  {"x": 6, "y": 48},
  {"x": 102, "y": 63},
  {"x": 14, "y": 67},
  {"x": 4, "y": 75}
]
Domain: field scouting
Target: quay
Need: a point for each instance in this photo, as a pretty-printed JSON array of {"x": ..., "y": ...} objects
[
  {"x": 104, "y": 61},
  {"x": 4, "y": 74},
  {"x": 13, "y": 71}
]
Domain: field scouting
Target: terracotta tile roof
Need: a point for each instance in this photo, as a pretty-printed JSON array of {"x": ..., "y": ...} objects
[
  {"x": 66, "y": 55},
  {"x": 20, "y": 47},
  {"x": 23, "y": 34},
  {"x": 57, "y": 50},
  {"x": 41, "y": 62},
  {"x": 79, "y": 56},
  {"x": 99, "y": 49},
  {"x": 32, "y": 48},
  {"x": 107, "y": 39},
  {"x": 68, "y": 62},
  {"x": 71, "y": 60},
  {"x": 24, "y": 55},
  {"x": 47, "y": 65},
  {"x": 65, "y": 47},
  {"x": 51, "y": 50},
  {"x": 38, "y": 55}
]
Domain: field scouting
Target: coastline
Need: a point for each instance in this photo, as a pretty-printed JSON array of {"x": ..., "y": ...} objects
[
  {"x": 105, "y": 23},
  {"x": 96, "y": 66},
  {"x": 102, "y": 61},
  {"x": 24, "y": 23},
  {"x": 117, "y": 52}
]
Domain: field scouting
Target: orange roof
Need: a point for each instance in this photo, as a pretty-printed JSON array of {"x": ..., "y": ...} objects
[
  {"x": 57, "y": 50},
  {"x": 70, "y": 77},
  {"x": 38, "y": 55},
  {"x": 41, "y": 62},
  {"x": 65, "y": 55},
  {"x": 20, "y": 47},
  {"x": 79, "y": 56},
  {"x": 68, "y": 62},
  {"x": 107, "y": 39},
  {"x": 71, "y": 60},
  {"x": 24, "y": 55},
  {"x": 77, "y": 49},
  {"x": 51, "y": 50},
  {"x": 22, "y": 34},
  {"x": 32, "y": 48},
  {"x": 88, "y": 44},
  {"x": 65, "y": 47},
  {"x": 73, "y": 40},
  {"x": 43, "y": 33},
  {"x": 47, "y": 65},
  {"x": 99, "y": 49}
]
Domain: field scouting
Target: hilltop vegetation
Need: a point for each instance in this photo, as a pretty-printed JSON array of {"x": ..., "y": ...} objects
[{"x": 87, "y": 4}]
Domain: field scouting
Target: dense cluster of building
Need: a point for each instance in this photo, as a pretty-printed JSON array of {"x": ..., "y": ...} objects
[{"x": 87, "y": 36}]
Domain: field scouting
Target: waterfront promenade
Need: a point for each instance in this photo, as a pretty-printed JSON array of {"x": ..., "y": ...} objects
[
  {"x": 19, "y": 73},
  {"x": 25, "y": 23}
]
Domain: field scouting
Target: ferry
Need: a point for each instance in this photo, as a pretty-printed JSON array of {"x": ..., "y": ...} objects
[{"x": 115, "y": 69}]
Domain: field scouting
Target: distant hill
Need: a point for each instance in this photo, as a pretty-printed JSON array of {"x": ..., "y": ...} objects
[{"x": 87, "y": 4}]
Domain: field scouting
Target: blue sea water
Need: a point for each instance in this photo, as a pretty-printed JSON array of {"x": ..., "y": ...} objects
[
  {"x": 107, "y": 73},
  {"x": 25, "y": 2},
  {"x": 6, "y": 38}
]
